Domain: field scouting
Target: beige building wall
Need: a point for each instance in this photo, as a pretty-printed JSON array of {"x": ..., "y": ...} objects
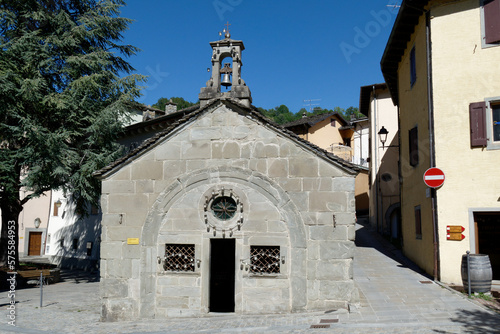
[
  {"x": 361, "y": 192},
  {"x": 384, "y": 193},
  {"x": 414, "y": 112},
  {"x": 463, "y": 73},
  {"x": 34, "y": 208},
  {"x": 328, "y": 137}
]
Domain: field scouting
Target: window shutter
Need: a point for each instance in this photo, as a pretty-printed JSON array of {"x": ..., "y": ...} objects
[
  {"x": 413, "y": 136},
  {"x": 477, "y": 113},
  {"x": 492, "y": 21}
]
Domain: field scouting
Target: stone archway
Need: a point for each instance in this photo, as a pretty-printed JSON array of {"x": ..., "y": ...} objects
[{"x": 264, "y": 185}]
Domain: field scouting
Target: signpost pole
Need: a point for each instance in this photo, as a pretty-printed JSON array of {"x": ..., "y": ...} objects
[{"x": 41, "y": 288}]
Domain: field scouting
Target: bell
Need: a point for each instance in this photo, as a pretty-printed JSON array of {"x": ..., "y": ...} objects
[{"x": 226, "y": 80}]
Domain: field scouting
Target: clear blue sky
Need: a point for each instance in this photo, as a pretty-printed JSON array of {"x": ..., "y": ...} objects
[{"x": 294, "y": 50}]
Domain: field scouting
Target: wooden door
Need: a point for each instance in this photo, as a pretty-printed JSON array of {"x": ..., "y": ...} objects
[{"x": 35, "y": 243}]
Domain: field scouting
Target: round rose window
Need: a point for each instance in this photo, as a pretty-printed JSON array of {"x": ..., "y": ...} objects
[{"x": 224, "y": 207}]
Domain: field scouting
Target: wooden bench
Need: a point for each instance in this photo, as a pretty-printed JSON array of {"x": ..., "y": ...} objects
[{"x": 31, "y": 275}]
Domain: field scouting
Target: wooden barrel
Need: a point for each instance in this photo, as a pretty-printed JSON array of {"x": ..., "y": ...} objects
[{"x": 480, "y": 273}]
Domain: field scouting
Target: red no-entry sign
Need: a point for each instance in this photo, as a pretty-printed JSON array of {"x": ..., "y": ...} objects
[{"x": 434, "y": 177}]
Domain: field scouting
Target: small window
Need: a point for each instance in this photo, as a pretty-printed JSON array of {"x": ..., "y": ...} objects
[
  {"x": 413, "y": 67},
  {"x": 333, "y": 122},
  {"x": 265, "y": 259},
  {"x": 413, "y": 140},
  {"x": 495, "y": 111},
  {"x": 179, "y": 257},
  {"x": 418, "y": 222},
  {"x": 94, "y": 209},
  {"x": 347, "y": 142},
  {"x": 56, "y": 208},
  {"x": 90, "y": 244},
  {"x": 75, "y": 244},
  {"x": 484, "y": 120},
  {"x": 490, "y": 25}
]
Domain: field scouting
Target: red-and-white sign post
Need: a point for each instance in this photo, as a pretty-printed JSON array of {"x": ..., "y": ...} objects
[{"x": 434, "y": 177}]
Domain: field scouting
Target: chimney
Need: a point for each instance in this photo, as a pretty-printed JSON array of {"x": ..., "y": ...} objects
[{"x": 170, "y": 107}]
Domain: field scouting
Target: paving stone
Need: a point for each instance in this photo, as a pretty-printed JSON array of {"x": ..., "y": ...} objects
[{"x": 73, "y": 306}]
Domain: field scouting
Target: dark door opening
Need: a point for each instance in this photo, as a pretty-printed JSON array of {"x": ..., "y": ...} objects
[
  {"x": 222, "y": 275},
  {"x": 487, "y": 226}
]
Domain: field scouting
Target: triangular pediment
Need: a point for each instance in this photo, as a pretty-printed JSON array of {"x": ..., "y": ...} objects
[{"x": 197, "y": 118}]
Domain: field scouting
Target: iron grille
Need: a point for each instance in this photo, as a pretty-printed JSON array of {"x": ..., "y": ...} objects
[
  {"x": 179, "y": 257},
  {"x": 265, "y": 259}
]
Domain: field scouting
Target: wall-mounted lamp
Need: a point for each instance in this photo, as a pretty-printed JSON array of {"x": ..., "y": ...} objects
[
  {"x": 382, "y": 135},
  {"x": 37, "y": 222}
]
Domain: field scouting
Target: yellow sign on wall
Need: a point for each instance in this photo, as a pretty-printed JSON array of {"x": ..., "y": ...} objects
[{"x": 132, "y": 241}]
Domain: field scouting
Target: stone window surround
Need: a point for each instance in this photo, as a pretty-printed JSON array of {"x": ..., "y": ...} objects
[
  {"x": 484, "y": 45},
  {"x": 491, "y": 145}
]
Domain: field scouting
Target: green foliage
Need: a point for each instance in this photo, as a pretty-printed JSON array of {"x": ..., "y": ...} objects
[
  {"x": 181, "y": 103},
  {"x": 64, "y": 96},
  {"x": 279, "y": 114},
  {"x": 484, "y": 296},
  {"x": 282, "y": 114}
]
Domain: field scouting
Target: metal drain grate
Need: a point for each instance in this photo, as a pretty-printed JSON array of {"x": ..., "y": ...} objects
[
  {"x": 320, "y": 326},
  {"x": 425, "y": 282},
  {"x": 328, "y": 321}
]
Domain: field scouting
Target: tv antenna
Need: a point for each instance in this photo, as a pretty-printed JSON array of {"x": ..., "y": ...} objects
[
  {"x": 310, "y": 103},
  {"x": 394, "y": 5}
]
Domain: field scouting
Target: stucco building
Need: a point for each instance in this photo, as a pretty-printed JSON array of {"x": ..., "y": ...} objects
[
  {"x": 441, "y": 64},
  {"x": 221, "y": 210},
  {"x": 375, "y": 102}
]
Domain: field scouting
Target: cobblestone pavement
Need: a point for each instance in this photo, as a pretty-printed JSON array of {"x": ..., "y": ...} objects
[{"x": 393, "y": 300}]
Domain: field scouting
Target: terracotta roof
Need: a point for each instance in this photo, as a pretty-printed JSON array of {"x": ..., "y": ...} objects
[
  {"x": 312, "y": 120},
  {"x": 234, "y": 104},
  {"x": 407, "y": 19}
]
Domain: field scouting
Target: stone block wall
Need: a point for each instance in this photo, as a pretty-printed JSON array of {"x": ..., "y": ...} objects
[{"x": 291, "y": 198}]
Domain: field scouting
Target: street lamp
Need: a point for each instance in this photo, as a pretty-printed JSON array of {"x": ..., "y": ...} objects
[{"x": 382, "y": 134}]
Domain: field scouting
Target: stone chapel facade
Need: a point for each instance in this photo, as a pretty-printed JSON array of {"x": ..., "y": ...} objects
[{"x": 225, "y": 211}]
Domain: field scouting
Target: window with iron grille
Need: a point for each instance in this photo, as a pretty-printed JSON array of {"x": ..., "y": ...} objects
[
  {"x": 179, "y": 257},
  {"x": 265, "y": 259}
]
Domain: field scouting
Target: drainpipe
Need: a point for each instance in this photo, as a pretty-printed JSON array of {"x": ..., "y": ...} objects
[
  {"x": 431, "y": 145},
  {"x": 375, "y": 158}
]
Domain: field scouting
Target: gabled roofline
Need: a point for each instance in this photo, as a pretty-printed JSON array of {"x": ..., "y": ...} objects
[
  {"x": 234, "y": 104},
  {"x": 403, "y": 28},
  {"x": 365, "y": 97},
  {"x": 160, "y": 122}
]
